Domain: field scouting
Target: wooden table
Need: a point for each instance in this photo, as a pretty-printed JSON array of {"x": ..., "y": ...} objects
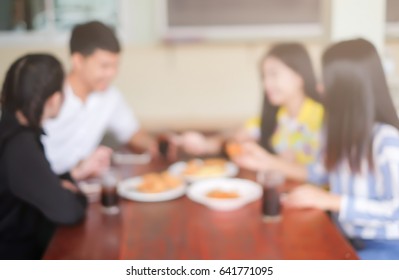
[{"x": 183, "y": 229}]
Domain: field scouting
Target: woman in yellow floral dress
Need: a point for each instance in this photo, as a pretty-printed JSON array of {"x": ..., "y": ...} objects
[{"x": 291, "y": 120}]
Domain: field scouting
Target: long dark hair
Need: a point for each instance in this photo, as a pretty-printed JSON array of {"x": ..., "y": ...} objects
[
  {"x": 357, "y": 96},
  {"x": 295, "y": 56},
  {"x": 29, "y": 82}
]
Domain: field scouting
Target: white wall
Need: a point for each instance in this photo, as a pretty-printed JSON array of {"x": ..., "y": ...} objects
[{"x": 358, "y": 18}]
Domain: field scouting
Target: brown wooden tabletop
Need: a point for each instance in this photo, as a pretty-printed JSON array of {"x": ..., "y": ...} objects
[{"x": 183, "y": 229}]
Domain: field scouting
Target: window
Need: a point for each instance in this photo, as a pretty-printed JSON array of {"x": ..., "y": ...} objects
[
  {"x": 70, "y": 12},
  {"x": 31, "y": 15},
  {"x": 392, "y": 18},
  {"x": 20, "y": 15},
  {"x": 38, "y": 20},
  {"x": 237, "y": 19}
]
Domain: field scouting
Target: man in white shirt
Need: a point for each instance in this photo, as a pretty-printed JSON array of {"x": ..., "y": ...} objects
[{"x": 91, "y": 107}]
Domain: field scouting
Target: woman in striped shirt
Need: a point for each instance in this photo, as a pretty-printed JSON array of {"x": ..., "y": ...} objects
[{"x": 361, "y": 153}]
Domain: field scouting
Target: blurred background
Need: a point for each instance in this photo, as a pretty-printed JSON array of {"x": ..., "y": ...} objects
[{"x": 194, "y": 63}]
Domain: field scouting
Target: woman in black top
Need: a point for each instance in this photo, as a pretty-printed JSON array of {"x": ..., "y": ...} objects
[{"x": 32, "y": 198}]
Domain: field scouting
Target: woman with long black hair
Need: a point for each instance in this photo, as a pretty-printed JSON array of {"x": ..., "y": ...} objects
[
  {"x": 290, "y": 122},
  {"x": 360, "y": 160},
  {"x": 32, "y": 198}
]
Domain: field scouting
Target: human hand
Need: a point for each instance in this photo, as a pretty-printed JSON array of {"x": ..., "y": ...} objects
[
  {"x": 254, "y": 157},
  {"x": 309, "y": 196},
  {"x": 68, "y": 185},
  {"x": 94, "y": 165},
  {"x": 192, "y": 143}
]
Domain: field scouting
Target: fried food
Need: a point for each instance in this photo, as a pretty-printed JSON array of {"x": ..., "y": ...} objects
[
  {"x": 192, "y": 167},
  {"x": 217, "y": 193},
  {"x": 158, "y": 182},
  {"x": 208, "y": 167}
]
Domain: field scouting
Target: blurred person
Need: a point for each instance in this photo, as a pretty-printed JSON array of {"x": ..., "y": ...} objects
[
  {"x": 361, "y": 154},
  {"x": 291, "y": 119},
  {"x": 32, "y": 198},
  {"x": 92, "y": 107}
]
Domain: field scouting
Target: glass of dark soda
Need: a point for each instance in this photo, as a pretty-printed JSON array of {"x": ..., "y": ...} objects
[
  {"x": 109, "y": 194},
  {"x": 163, "y": 145},
  {"x": 167, "y": 147},
  {"x": 271, "y": 206}
]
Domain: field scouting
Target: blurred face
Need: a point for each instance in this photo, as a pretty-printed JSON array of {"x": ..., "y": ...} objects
[
  {"x": 53, "y": 105},
  {"x": 280, "y": 82},
  {"x": 96, "y": 70}
]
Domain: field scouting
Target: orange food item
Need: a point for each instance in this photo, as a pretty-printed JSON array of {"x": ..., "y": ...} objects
[
  {"x": 222, "y": 194},
  {"x": 158, "y": 182},
  {"x": 233, "y": 149},
  {"x": 192, "y": 167}
]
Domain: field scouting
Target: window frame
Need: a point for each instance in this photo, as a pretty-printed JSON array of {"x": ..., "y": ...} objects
[{"x": 248, "y": 32}]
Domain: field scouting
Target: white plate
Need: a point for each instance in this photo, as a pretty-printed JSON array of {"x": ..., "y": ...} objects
[
  {"x": 129, "y": 158},
  {"x": 178, "y": 168},
  {"x": 128, "y": 189},
  {"x": 248, "y": 191}
]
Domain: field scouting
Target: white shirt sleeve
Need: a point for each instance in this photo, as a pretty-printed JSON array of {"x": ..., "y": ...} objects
[{"x": 123, "y": 124}]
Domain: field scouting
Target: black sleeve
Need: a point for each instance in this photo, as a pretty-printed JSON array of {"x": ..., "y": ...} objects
[
  {"x": 32, "y": 180},
  {"x": 67, "y": 176}
]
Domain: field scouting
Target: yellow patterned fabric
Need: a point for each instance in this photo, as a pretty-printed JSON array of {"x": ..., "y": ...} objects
[{"x": 298, "y": 137}]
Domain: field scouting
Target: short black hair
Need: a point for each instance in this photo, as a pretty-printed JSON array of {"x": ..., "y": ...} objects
[{"x": 88, "y": 37}]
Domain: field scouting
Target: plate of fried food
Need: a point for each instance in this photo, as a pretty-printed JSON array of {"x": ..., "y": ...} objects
[
  {"x": 199, "y": 169},
  {"x": 152, "y": 187},
  {"x": 224, "y": 194}
]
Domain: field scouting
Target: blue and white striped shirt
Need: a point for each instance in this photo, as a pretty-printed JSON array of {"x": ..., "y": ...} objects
[{"x": 370, "y": 199}]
